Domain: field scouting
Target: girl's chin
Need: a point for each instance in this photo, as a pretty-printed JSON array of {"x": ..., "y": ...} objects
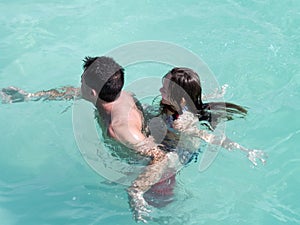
[{"x": 163, "y": 101}]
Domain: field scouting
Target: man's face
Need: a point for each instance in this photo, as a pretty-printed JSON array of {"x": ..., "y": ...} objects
[{"x": 87, "y": 93}]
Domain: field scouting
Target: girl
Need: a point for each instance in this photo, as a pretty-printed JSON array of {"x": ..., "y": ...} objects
[{"x": 182, "y": 109}]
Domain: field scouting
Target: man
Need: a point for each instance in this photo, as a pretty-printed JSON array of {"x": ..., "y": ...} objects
[{"x": 101, "y": 83}]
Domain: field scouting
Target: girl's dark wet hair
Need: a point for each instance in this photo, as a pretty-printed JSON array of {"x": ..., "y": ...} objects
[
  {"x": 185, "y": 82},
  {"x": 106, "y": 77}
]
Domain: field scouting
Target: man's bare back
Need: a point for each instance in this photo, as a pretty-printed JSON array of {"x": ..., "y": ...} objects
[{"x": 123, "y": 119}]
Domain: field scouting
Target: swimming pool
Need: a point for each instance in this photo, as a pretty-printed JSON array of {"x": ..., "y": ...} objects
[{"x": 252, "y": 46}]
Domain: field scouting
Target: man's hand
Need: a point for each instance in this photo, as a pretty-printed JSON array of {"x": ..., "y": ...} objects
[
  {"x": 13, "y": 94},
  {"x": 139, "y": 206}
]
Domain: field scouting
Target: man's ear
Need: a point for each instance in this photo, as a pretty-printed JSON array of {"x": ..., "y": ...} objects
[
  {"x": 93, "y": 96},
  {"x": 93, "y": 93}
]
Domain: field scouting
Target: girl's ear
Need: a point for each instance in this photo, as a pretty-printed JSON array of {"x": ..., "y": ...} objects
[{"x": 182, "y": 102}]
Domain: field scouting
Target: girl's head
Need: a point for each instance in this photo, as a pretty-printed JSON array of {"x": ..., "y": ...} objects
[
  {"x": 182, "y": 91},
  {"x": 181, "y": 88}
]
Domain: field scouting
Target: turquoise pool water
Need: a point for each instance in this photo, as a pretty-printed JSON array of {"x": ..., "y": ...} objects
[{"x": 252, "y": 46}]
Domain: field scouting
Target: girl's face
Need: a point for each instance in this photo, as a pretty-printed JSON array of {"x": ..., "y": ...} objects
[
  {"x": 169, "y": 104},
  {"x": 165, "y": 91}
]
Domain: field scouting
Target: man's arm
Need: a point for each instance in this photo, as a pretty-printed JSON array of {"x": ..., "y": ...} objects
[
  {"x": 151, "y": 175},
  {"x": 130, "y": 135}
]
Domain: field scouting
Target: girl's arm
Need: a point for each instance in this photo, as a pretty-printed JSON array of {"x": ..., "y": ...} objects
[{"x": 186, "y": 123}]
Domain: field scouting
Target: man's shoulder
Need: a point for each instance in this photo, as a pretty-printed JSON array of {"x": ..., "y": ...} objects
[{"x": 132, "y": 96}]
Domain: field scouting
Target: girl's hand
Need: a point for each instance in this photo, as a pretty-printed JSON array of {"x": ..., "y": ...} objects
[{"x": 254, "y": 155}]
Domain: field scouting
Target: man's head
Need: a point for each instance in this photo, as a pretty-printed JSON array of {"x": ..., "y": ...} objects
[{"x": 102, "y": 78}]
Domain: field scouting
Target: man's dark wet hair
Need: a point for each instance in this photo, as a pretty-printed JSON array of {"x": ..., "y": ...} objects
[{"x": 105, "y": 76}]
